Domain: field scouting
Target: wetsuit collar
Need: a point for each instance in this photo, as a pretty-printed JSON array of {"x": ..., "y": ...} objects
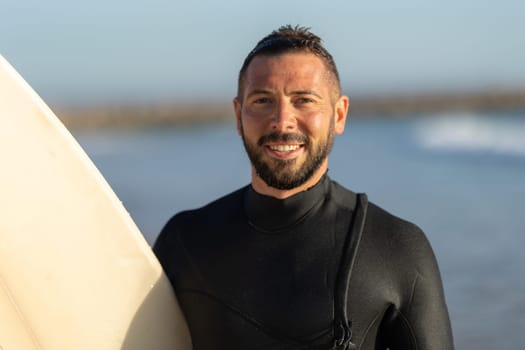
[{"x": 271, "y": 214}]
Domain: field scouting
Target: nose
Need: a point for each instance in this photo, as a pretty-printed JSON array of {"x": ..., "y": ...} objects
[{"x": 284, "y": 118}]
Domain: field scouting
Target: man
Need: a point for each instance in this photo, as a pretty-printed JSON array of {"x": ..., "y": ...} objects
[{"x": 294, "y": 260}]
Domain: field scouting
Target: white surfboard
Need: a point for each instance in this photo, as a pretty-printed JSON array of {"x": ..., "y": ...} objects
[{"x": 75, "y": 272}]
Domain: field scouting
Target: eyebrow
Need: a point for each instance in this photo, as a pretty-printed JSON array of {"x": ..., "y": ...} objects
[
  {"x": 258, "y": 92},
  {"x": 306, "y": 92},
  {"x": 294, "y": 92}
]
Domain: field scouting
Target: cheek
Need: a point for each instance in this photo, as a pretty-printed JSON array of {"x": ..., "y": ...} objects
[
  {"x": 253, "y": 120},
  {"x": 252, "y": 128},
  {"x": 318, "y": 124}
]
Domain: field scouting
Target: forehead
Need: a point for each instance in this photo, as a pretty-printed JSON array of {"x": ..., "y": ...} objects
[{"x": 290, "y": 70}]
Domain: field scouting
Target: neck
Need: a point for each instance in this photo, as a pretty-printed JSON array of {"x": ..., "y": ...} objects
[{"x": 262, "y": 188}]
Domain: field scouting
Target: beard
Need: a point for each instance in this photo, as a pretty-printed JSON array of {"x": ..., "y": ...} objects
[{"x": 287, "y": 174}]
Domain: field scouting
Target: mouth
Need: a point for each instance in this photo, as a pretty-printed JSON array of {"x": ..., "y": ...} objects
[{"x": 284, "y": 151}]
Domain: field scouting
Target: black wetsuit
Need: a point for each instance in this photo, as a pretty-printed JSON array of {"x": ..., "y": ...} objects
[{"x": 255, "y": 272}]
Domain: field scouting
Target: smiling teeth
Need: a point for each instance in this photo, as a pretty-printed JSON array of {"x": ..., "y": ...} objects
[{"x": 284, "y": 148}]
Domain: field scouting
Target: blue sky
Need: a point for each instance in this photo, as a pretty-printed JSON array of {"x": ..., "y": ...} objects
[{"x": 158, "y": 50}]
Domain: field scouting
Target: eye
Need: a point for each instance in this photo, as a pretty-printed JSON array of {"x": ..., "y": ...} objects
[
  {"x": 262, "y": 100},
  {"x": 304, "y": 100}
]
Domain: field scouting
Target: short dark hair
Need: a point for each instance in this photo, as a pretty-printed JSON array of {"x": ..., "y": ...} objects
[{"x": 289, "y": 39}]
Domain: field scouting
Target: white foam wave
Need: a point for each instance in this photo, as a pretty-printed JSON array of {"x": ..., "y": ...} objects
[{"x": 467, "y": 132}]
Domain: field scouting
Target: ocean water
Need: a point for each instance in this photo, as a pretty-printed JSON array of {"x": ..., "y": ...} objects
[{"x": 459, "y": 176}]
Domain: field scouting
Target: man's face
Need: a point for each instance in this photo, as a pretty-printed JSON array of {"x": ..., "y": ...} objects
[{"x": 287, "y": 116}]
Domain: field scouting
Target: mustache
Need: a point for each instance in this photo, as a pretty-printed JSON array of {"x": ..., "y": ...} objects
[{"x": 277, "y": 136}]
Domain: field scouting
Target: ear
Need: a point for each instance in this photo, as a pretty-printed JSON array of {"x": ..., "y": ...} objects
[
  {"x": 237, "y": 107},
  {"x": 341, "y": 111}
]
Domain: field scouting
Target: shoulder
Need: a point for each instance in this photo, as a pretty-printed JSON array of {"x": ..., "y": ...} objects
[
  {"x": 379, "y": 219},
  {"x": 212, "y": 213},
  {"x": 390, "y": 234},
  {"x": 201, "y": 219},
  {"x": 190, "y": 230},
  {"x": 399, "y": 242},
  {"x": 393, "y": 229}
]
